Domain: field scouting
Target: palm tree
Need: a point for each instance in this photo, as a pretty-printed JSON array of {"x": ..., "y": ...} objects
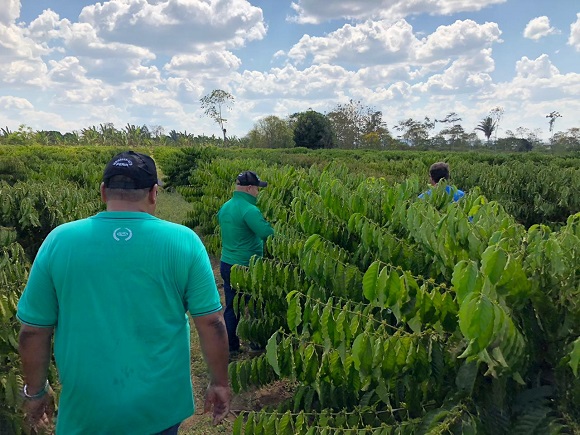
[{"x": 487, "y": 126}]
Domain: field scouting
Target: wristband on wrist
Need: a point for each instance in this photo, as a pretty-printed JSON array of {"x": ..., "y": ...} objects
[{"x": 37, "y": 395}]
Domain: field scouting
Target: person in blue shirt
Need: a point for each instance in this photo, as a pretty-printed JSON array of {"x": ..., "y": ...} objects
[{"x": 440, "y": 171}]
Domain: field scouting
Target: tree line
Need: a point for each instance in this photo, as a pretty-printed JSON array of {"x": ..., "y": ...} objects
[{"x": 351, "y": 125}]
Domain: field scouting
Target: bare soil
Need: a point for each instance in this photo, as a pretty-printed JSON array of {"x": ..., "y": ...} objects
[{"x": 253, "y": 400}]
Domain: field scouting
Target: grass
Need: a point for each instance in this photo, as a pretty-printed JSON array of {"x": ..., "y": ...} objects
[{"x": 172, "y": 207}]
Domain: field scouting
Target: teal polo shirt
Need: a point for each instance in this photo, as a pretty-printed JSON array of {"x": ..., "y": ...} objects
[
  {"x": 117, "y": 287},
  {"x": 243, "y": 229}
]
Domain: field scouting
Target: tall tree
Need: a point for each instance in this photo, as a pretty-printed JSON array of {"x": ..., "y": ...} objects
[
  {"x": 451, "y": 118},
  {"x": 353, "y": 122},
  {"x": 214, "y": 104},
  {"x": 496, "y": 114},
  {"x": 415, "y": 132},
  {"x": 271, "y": 132},
  {"x": 487, "y": 126},
  {"x": 454, "y": 135},
  {"x": 568, "y": 140},
  {"x": 453, "y": 132},
  {"x": 312, "y": 130},
  {"x": 553, "y": 116}
]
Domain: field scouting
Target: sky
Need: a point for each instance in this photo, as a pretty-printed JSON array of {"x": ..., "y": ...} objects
[{"x": 69, "y": 65}]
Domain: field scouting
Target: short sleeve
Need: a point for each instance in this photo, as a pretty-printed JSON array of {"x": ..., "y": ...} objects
[
  {"x": 38, "y": 305},
  {"x": 201, "y": 295}
]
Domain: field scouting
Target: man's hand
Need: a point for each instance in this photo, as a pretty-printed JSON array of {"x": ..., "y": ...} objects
[
  {"x": 40, "y": 412},
  {"x": 213, "y": 338},
  {"x": 219, "y": 397}
]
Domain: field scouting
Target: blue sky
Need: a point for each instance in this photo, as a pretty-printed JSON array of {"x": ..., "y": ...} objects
[{"x": 68, "y": 65}]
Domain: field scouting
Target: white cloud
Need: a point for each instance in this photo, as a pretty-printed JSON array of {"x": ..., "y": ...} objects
[
  {"x": 537, "y": 89},
  {"x": 9, "y": 11},
  {"x": 97, "y": 95},
  {"x": 226, "y": 23},
  {"x": 7, "y": 103},
  {"x": 15, "y": 44},
  {"x": 185, "y": 90},
  {"x": 379, "y": 75},
  {"x": 385, "y": 43},
  {"x": 538, "y": 83},
  {"x": 574, "y": 39},
  {"x": 82, "y": 40},
  {"x": 153, "y": 98},
  {"x": 540, "y": 67},
  {"x": 214, "y": 61},
  {"x": 538, "y": 28},
  {"x": 46, "y": 26},
  {"x": 315, "y": 82},
  {"x": 459, "y": 38},
  {"x": 369, "y": 43},
  {"x": 67, "y": 70},
  {"x": 23, "y": 72},
  {"x": 463, "y": 76},
  {"x": 316, "y": 11}
]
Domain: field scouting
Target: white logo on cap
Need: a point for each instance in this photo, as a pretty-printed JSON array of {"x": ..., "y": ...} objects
[
  {"x": 122, "y": 234},
  {"x": 123, "y": 162}
]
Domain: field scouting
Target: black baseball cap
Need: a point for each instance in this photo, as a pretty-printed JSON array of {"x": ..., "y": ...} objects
[
  {"x": 249, "y": 178},
  {"x": 140, "y": 168}
]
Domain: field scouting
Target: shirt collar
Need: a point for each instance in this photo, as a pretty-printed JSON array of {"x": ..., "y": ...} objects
[{"x": 246, "y": 197}]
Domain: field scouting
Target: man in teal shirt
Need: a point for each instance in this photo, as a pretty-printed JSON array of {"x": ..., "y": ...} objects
[
  {"x": 243, "y": 231},
  {"x": 116, "y": 288}
]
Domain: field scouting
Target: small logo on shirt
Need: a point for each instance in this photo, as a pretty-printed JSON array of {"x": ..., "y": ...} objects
[{"x": 122, "y": 234}]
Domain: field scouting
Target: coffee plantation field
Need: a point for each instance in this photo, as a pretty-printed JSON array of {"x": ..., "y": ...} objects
[{"x": 386, "y": 313}]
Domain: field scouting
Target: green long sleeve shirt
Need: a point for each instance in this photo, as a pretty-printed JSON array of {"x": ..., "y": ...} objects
[{"x": 243, "y": 229}]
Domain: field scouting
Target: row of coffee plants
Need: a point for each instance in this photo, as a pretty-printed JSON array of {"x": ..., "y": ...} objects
[
  {"x": 534, "y": 188},
  {"x": 40, "y": 188},
  {"x": 393, "y": 314}
]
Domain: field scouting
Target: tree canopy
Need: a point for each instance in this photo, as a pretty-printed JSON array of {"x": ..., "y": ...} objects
[
  {"x": 312, "y": 130},
  {"x": 214, "y": 104},
  {"x": 271, "y": 132},
  {"x": 487, "y": 127}
]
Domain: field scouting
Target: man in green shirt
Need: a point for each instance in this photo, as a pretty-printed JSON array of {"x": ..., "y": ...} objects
[
  {"x": 116, "y": 288},
  {"x": 243, "y": 231}
]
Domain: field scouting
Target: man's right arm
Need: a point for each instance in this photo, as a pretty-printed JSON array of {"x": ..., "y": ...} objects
[
  {"x": 260, "y": 226},
  {"x": 213, "y": 338}
]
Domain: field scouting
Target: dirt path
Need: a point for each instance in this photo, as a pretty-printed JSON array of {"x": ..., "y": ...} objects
[{"x": 253, "y": 400}]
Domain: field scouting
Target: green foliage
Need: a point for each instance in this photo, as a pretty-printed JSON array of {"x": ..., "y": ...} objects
[
  {"x": 438, "y": 349},
  {"x": 415, "y": 133},
  {"x": 357, "y": 126},
  {"x": 312, "y": 130},
  {"x": 177, "y": 167},
  {"x": 487, "y": 127},
  {"x": 389, "y": 313},
  {"x": 13, "y": 273},
  {"x": 34, "y": 209},
  {"x": 271, "y": 132},
  {"x": 55, "y": 191},
  {"x": 215, "y": 104}
]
